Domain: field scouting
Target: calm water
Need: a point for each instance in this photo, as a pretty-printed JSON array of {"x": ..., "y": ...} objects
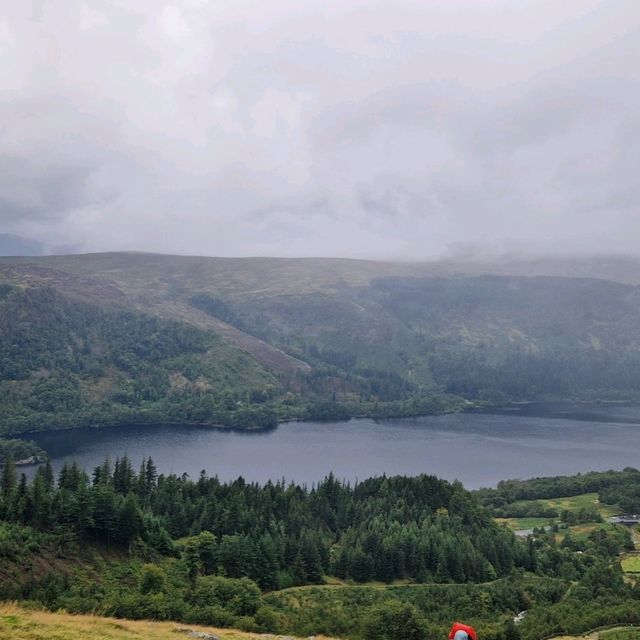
[{"x": 477, "y": 448}]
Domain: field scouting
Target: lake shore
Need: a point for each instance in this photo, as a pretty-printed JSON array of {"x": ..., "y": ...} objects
[{"x": 478, "y": 448}]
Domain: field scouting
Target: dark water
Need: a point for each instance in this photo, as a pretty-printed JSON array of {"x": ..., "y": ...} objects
[{"x": 477, "y": 448}]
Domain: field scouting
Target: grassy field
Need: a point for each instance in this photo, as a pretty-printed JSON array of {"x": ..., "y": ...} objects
[
  {"x": 618, "y": 633},
  {"x": 18, "y": 623},
  {"x": 582, "y": 530},
  {"x": 524, "y": 523},
  {"x": 569, "y": 503},
  {"x": 631, "y": 564},
  {"x": 332, "y": 581},
  {"x": 575, "y": 503}
]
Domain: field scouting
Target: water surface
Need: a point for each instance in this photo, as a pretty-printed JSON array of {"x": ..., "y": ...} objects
[{"x": 478, "y": 448}]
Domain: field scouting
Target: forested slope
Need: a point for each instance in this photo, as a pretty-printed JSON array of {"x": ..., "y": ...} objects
[
  {"x": 116, "y": 338},
  {"x": 66, "y": 362},
  {"x": 255, "y": 557}
]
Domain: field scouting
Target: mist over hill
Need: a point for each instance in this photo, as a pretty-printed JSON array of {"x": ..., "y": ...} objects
[
  {"x": 120, "y": 338},
  {"x": 12, "y": 245}
]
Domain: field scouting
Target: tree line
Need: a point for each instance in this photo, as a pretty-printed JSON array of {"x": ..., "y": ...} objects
[{"x": 277, "y": 534}]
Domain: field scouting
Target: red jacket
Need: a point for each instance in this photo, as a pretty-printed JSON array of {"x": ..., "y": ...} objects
[{"x": 458, "y": 626}]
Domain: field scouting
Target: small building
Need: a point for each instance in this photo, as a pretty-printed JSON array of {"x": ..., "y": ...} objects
[{"x": 628, "y": 520}]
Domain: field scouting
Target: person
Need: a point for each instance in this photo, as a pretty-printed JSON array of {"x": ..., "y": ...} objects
[{"x": 461, "y": 631}]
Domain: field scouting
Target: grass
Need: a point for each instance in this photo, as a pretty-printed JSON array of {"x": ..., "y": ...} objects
[
  {"x": 631, "y": 564},
  {"x": 621, "y": 633},
  {"x": 524, "y": 523},
  {"x": 19, "y": 623},
  {"x": 575, "y": 503},
  {"x": 581, "y": 531},
  {"x": 617, "y": 633},
  {"x": 569, "y": 503}
]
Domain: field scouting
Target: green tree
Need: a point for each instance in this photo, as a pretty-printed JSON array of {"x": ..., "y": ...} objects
[
  {"x": 9, "y": 476},
  {"x": 192, "y": 562}
]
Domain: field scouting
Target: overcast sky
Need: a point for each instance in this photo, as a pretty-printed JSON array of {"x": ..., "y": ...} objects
[{"x": 353, "y": 128}]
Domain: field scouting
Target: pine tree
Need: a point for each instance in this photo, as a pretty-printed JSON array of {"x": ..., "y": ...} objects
[
  {"x": 129, "y": 520},
  {"x": 9, "y": 476},
  {"x": 191, "y": 559}
]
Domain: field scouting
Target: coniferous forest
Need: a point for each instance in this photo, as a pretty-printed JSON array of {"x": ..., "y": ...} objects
[{"x": 136, "y": 544}]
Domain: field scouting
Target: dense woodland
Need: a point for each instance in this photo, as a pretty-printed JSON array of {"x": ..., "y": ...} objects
[
  {"x": 138, "y": 544},
  {"x": 279, "y": 535}
]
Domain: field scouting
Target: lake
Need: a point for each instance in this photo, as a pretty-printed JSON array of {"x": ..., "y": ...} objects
[{"x": 477, "y": 448}]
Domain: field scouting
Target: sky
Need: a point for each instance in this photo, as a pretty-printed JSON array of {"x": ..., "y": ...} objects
[{"x": 368, "y": 129}]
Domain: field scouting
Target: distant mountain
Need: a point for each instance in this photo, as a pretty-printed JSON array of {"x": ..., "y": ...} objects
[
  {"x": 11, "y": 245},
  {"x": 132, "y": 337}
]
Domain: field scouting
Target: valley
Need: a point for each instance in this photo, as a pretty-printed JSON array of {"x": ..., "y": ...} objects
[{"x": 299, "y": 447}]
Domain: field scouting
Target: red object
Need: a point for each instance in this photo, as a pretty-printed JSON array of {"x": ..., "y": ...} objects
[{"x": 458, "y": 626}]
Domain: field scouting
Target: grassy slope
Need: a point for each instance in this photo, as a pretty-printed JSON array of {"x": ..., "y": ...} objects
[
  {"x": 616, "y": 633},
  {"x": 473, "y": 310},
  {"x": 19, "y": 623},
  {"x": 263, "y": 288},
  {"x": 570, "y": 503},
  {"x": 313, "y": 274},
  {"x": 631, "y": 563}
]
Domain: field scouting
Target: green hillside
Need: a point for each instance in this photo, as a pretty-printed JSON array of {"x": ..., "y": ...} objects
[
  {"x": 361, "y": 562},
  {"x": 67, "y": 362},
  {"x": 116, "y": 338}
]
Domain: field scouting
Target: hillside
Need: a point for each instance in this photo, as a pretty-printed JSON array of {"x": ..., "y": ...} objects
[
  {"x": 18, "y": 623},
  {"x": 345, "y": 561},
  {"x": 116, "y": 338}
]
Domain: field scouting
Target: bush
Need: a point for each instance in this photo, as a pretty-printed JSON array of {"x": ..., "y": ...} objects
[
  {"x": 394, "y": 620},
  {"x": 241, "y": 596},
  {"x": 152, "y": 579}
]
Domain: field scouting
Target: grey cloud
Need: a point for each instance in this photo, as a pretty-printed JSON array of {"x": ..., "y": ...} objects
[
  {"x": 315, "y": 207},
  {"x": 40, "y": 192},
  {"x": 393, "y": 196},
  {"x": 321, "y": 127}
]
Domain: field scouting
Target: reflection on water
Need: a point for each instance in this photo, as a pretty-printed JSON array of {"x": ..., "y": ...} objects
[{"x": 478, "y": 448}]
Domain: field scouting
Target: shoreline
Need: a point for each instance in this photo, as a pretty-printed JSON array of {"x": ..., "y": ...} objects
[{"x": 488, "y": 408}]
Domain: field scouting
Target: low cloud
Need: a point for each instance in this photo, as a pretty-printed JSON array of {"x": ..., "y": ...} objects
[{"x": 322, "y": 128}]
